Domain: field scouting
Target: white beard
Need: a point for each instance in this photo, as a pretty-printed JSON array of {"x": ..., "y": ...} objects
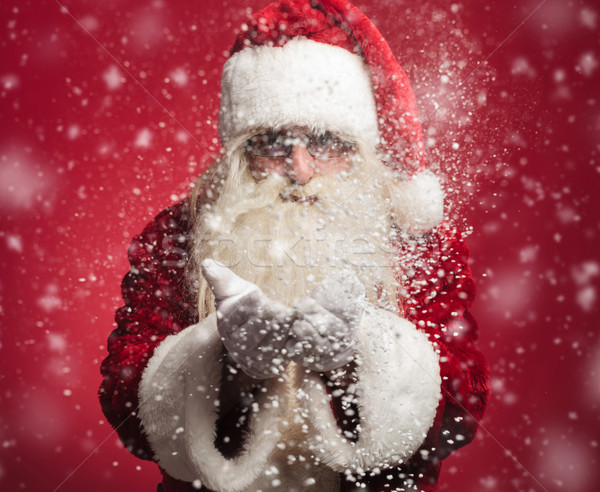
[{"x": 286, "y": 247}]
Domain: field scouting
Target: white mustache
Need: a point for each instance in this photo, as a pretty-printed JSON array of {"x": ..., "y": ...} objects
[{"x": 292, "y": 195}]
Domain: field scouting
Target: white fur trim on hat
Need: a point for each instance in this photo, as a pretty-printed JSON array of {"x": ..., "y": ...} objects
[
  {"x": 179, "y": 395},
  {"x": 417, "y": 203},
  {"x": 303, "y": 83},
  {"x": 398, "y": 392}
]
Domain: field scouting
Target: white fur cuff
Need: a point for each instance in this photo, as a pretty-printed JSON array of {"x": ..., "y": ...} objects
[
  {"x": 398, "y": 393},
  {"x": 179, "y": 408}
]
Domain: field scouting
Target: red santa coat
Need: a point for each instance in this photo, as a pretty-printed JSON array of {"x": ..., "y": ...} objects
[{"x": 440, "y": 290}]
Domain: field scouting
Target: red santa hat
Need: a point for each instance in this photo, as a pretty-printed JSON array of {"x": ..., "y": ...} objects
[{"x": 322, "y": 64}]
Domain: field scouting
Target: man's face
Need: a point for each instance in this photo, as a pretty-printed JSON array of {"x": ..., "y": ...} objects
[
  {"x": 298, "y": 155},
  {"x": 286, "y": 227}
]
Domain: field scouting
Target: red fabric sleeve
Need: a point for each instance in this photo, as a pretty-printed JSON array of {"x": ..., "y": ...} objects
[
  {"x": 155, "y": 307},
  {"x": 440, "y": 292},
  {"x": 439, "y": 295}
]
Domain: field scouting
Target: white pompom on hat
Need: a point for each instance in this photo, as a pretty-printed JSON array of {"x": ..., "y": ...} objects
[{"x": 322, "y": 64}]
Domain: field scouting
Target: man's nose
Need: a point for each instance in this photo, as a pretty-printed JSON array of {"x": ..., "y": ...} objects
[{"x": 300, "y": 166}]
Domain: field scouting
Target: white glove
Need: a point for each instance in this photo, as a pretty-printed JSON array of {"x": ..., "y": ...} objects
[
  {"x": 254, "y": 328},
  {"x": 323, "y": 331}
]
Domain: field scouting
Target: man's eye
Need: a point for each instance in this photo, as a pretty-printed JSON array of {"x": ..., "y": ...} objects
[
  {"x": 326, "y": 139},
  {"x": 328, "y": 145},
  {"x": 278, "y": 146},
  {"x": 276, "y": 150},
  {"x": 268, "y": 145}
]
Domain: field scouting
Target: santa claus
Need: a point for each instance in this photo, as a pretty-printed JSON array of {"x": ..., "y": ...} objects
[{"x": 300, "y": 322}]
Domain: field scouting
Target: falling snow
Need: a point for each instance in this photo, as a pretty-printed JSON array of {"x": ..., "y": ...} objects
[
  {"x": 9, "y": 81},
  {"x": 109, "y": 113},
  {"x": 179, "y": 77},
  {"x": 588, "y": 63},
  {"x": 14, "y": 242},
  {"x": 56, "y": 342},
  {"x": 50, "y": 300},
  {"x": 583, "y": 276},
  {"x": 143, "y": 138},
  {"x": 113, "y": 78},
  {"x": 588, "y": 18},
  {"x": 522, "y": 66},
  {"x": 22, "y": 182}
]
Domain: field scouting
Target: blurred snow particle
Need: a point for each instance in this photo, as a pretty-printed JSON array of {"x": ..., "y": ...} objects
[
  {"x": 529, "y": 253},
  {"x": 588, "y": 17},
  {"x": 516, "y": 139},
  {"x": 67, "y": 392},
  {"x": 197, "y": 484},
  {"x": 563, "y": 92},
  {"x": 535, "y": 190},
  {"x": 90, "y": 23},
  {"x": 582, "y": 275},
  {"x": 587, "y": 64},
  {"x": 179, "y": 76},
  {"x": 56, "y": 342},
  {"x": 73, "y": 132},
  {"x": 20, "y": 182},
  {"x": 50, "y": 300},
  {"x": 146, "y": 29},
  {"x": 482, "y": 98},
  {"x": 143, "y": 138},
  {"x": 586, "y": 298},
  {"x": 182, "y": 136},
  {"x": 511, "y": 293},
  {"x": 9, "y": 81},
  {"x": 565, "y": 461},
  {"x": 559, "y": 75},
  {"x": 566, "y": 214},
  {"x": 501, "y": 392},
  {"x": 490, "y": 482},
  {"x": 14, "y": 242},
  {"x": 113, "y": 78},
  {"x": 105, "y": 148},
  {"x": 492, "y": 227},
  {"x": 521, "y": 66}
]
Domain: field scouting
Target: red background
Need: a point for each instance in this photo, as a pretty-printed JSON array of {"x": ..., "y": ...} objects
[{"x": 108, "y": 114}]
